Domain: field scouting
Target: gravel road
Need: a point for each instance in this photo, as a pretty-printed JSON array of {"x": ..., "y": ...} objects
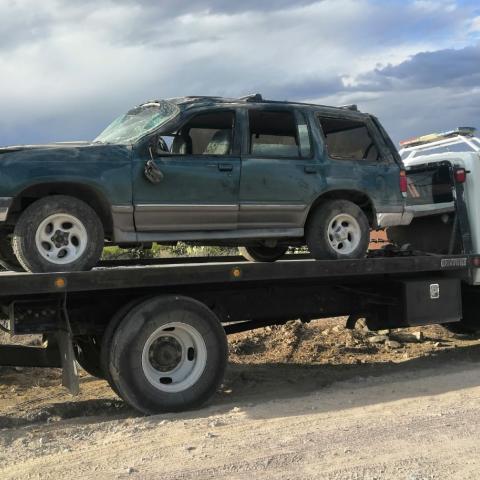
[{"x": 413, "y": 419}]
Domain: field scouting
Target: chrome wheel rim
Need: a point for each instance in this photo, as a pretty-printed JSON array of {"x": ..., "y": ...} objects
[
  {"x": 344, "y": 233},
  {"x": 174, "y": 357},
  {"x": 61, "y": 238}
]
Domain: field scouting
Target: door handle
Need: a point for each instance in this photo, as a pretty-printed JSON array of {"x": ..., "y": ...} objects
[
  {"x": 225, "y": 167},
  {"x": 310, "y": 169}
]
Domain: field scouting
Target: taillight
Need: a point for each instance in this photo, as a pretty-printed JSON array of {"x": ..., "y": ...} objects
[
  {"x": 460, "y": 175},
  {"x": 403, "y": 182}
]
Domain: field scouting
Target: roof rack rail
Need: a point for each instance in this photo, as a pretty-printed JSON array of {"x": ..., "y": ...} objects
[
  {"x": 252, "y": 97},
  {"x": 352, "y": 106}
]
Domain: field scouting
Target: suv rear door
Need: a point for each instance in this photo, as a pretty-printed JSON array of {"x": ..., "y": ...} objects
[{"x": 279, "y": 169}]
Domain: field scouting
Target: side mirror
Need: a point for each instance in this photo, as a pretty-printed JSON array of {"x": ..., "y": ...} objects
[{"x": 152, "y": 172}]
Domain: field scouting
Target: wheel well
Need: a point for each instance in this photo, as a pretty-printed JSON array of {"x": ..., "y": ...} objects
[
  {"x": 88, "y": 194},
  {"x": 358, "y": 198}
]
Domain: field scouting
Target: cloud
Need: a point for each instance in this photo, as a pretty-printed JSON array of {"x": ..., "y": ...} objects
[
  {"x": 68, "y": 68},
  {"x": 449, "y": 67}
]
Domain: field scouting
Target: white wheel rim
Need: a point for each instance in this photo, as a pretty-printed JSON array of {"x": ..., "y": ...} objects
[
  {"x": 174, "y": 357},
  {"x": 61, "y": 238},
  {"x": 344, "y": 233}
]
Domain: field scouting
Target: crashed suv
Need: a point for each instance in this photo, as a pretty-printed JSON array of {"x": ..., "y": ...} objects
[{"x": 261, "y": 175}]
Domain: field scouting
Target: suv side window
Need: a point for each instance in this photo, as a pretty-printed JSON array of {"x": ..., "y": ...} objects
[
  {"x": 348, "y": 140},
  {"x": 204, "y": 134},
  {"x": 276, "y": 134}
]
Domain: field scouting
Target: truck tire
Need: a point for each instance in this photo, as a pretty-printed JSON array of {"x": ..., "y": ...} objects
[
  {"x": 262, "y": 253},
  {"x": 168, "y": 354},
  {"x": 87, "y": 354},
  {"x": 8, "y": 260},
  {"x": 337, "y": 229},
  {"x": 470, "y": 322},
  {"x": 58, "y": 234},
  {"x": 107, "y": 337}
]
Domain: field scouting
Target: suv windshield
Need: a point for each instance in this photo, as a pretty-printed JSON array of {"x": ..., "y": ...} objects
[{"x": 137, "y": 122}]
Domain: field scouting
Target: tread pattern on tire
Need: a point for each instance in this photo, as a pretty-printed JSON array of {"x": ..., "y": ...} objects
[
  {"x": 125, "y": 343},
  {"x": 316, "y": 229},
  {"x": 23, "y": 241}
]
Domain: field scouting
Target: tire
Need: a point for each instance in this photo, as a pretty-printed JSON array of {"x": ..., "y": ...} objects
[
  {"x": 107, "y": 337},
  {"x": 262, "y": 253},
  {"x": 168, "y": 354},
  {"x": 87, "y": 354},
  {"x": 470, "y": 323},
  {"x": 352, "y": 239},
  {"x": 58, "y": 234},
  {"x": 460, "y": 328},
  {"x": 8, "y": 260}
]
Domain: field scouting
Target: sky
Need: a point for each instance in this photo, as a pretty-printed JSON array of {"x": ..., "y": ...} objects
[{"x": 69, "y": 67}]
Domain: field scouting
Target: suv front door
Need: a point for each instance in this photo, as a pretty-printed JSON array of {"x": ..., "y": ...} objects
[{"x": 200, "y": 175}]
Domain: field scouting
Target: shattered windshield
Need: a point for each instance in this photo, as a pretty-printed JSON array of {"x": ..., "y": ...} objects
[{"x": 137, "y": 122}]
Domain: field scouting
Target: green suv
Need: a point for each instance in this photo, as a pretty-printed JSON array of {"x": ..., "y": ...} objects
[{"x": 261, "y": 175}]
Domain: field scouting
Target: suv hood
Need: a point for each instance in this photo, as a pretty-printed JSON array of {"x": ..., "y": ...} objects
[{"x": 17, "y": 148}]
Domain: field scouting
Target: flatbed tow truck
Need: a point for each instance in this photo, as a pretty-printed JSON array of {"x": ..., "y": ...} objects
[{"x": 156, "y": 330}]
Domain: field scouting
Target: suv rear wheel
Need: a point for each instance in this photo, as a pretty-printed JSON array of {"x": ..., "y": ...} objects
[
  {"x": 337, "y": 229},
  {"x": 58, "y": 234},
  {"x": 262, "y": 253}
]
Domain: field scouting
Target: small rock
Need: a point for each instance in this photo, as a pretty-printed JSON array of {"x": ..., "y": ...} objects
[
  {"x": 393, "y": 344},
  {"x": 336, "y": 329},
  {"x": 19, "y": 369},
  {"x": 383, "y": 332},
  {"x": 437, "y": 344},
  {"x": 131, "y": 470},
  {"x": 419, "y": 336},
  {"x": 210, "y": 435},
  {"x": 236, "y": 410},
  {"x": 215, "y": 423},
  {"x": 189, "y": 448},
  {"x": 378, "y": 339},
  {"x": 326, "y": 332}
]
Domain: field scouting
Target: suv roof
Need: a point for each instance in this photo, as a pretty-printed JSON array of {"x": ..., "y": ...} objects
[{"x": 197, "y": 100}]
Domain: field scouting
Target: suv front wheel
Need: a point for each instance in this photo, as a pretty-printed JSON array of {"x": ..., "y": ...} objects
[
  {"x": 337, "y": 229},
  {"x": 58, "y": 234}
]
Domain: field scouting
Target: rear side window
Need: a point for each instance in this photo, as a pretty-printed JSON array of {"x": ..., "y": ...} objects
[
  {"x": 273, "y": 134},
  {"x": 349, "y": 140}
]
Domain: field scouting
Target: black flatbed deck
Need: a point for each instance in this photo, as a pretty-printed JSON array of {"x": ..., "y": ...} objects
[{"x": 221, "y": 271}]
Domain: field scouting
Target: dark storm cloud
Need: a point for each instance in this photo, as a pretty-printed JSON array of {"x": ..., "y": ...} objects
[{"x": 449, "y": 67}]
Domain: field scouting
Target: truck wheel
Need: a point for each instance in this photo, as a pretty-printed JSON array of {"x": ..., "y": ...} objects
[
  {"x": 262, "y": 253},
  {"x": 107, "y": 338},
  {"x": 168, "y": 354},
  {"x": 8, "y": 260},
  {"x": 87, "y": 354},
  {"x": 58, "y": 234},
  {"x": 461, "y": 328},
  {"x": 337, "y": 229}
]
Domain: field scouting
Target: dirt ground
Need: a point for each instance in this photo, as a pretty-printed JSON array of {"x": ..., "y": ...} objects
[{"x": 299, "y": 401}]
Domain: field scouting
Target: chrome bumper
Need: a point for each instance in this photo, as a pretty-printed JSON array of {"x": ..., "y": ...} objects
[
  {"x": 5, "y": 203},
  {"x": 394, "y": 219}
]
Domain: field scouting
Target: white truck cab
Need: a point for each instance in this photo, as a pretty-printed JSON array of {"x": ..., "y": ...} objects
[{"x": 431, "y": 207}]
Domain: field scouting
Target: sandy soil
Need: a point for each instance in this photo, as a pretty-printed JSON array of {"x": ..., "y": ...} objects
[{"x": 299, "y": 402}]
